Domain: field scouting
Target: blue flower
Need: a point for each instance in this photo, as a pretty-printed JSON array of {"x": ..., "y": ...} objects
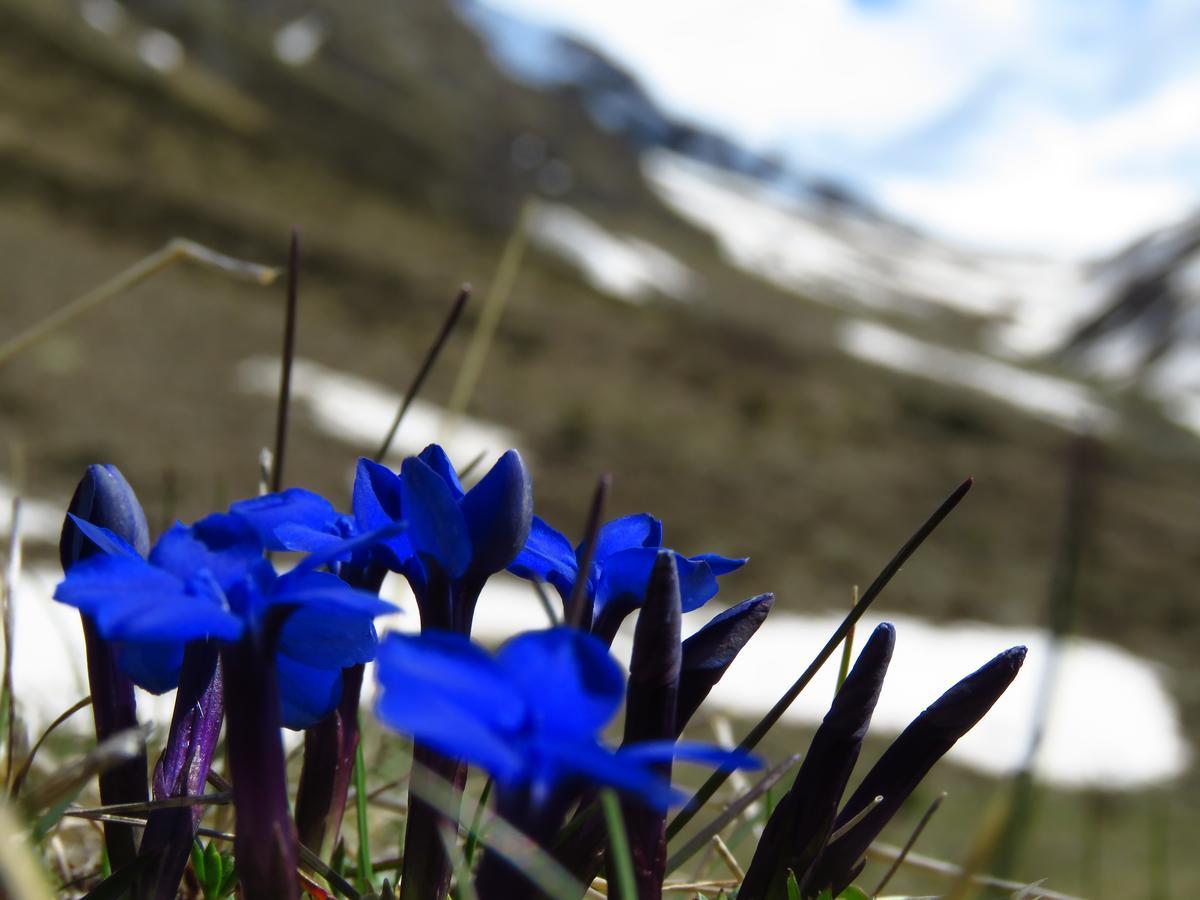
[
  {"x": 497, "y": 712},
  {"x": 454, "y": 539},
  {"x": 209, "y": 581},
  {"x": 620, "y": 571}
]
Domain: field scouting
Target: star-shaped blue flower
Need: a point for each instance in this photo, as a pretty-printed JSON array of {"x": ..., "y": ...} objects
[
  {"x": 497, "y": 712},
  {"x": 454, "y": 539},
  {"x": 210, "y": 581},
  {"x": 620, "y": 571}
]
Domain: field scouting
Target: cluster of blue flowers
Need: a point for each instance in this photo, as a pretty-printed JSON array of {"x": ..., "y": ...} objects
[
  {"x": 530, "y": 716},
  {"x": 205, "y": 610}
]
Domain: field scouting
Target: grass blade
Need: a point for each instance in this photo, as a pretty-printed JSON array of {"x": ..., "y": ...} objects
[
  {"x": 618, "y": 842},
  {"x": 431, "y": 356},
  {"x": 366, "y": 873},
  {"x": 175, "y": 251},
  {"x": 759, "y": 731},
  {"x": 289, "y": 356},
  {"x": 701, "y": 838}
]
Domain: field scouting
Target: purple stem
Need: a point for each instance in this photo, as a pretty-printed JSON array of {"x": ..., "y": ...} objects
[
  {"x": 114, "y": 709},
  {"x": 329, "y": 750},
  {"x": 182, "y": 769},
  {"x": 427, "y": 870},
  {"x": 331, "y": 744},
  {"x": 265, "y": 843}
]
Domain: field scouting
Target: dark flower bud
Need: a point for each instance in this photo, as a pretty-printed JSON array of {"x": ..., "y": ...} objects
[
  {"x": 712, "y": 649},
  {"x": 103, "y": 498},
  {"x": 909, "y": 758},
  {"x": 801, "y": 824},
  {"x": 499, "y": 512}
]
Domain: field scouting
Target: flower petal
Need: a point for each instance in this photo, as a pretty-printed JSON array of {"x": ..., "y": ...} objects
[
  {"x": 294, "y": 508},
  {"x": 638, "y": 530},
  {"x": 547, "y": 556},
  {"x": 499, "y": 513},
  {"x": 153, "y": 667},
  {"x": 329, "y": 639},
  {"x": 437, "y": 528},
  {"x": 720, "y": 565},
  {"x": 306, "y": 693},
  {"x": 435, "y": 457},
  {"x": 225, "y": 545},
  {"x": 324, "y": 591},
  {"x": 587, "y": 683},
  {"x": 377, "y": 503}
]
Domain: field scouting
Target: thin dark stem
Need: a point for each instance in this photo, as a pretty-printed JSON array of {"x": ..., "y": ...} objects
[
  {"x": 759, "y": 731},
  {"x": 431, "y": 355},
  {"x": 908, "y": 845},
  {"x": 289, "y": 355},
  {"x": 579, "y": 607}
]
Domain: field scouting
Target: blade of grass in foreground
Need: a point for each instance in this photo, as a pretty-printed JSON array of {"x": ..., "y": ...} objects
[
  {"x": 700, "y": 840},
  {"x": 176, "y": 250},
  {"x": 759, "y": 731},
  {"x": 366, "y": 874},
  {"x": 618, "y": 841},
  {"x": 538, "y": 866},
  {"x": 431, "y": 356}
]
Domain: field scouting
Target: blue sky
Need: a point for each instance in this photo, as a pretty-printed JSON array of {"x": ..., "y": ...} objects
[{"x": 1057, "y": 126}]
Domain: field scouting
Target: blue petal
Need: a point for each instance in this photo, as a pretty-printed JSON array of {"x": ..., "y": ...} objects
[
  {"x": 498, "y": 513},
  {"x": 225, "y": 545},
  {"x": 441, "y": 689},
  {"x": 452, "y": 729},
  {"x": 308, "y": 540},
  {"x": 294, "y": 507},
  {"x": 329, "y": 639},
  {"x": 638, "y": 530},
  {"x": 106, "y": 541},
  {"x": 324, "y": 591},
  {"x": 306, "y": 694},
  {"x": 185, "y": 617},
  {"x": 437, "y": 527},
  {"x": 376, "y": 495},
  {"x": 99, "y": 581},
  {"x": 547, "y": 556},
  {"x": 570, "y": 680},
  {"x": 587, "y": 760},
  {"x": 720, "y": 565},
  {"x": 377, "y": 503},
  {"x": 435, "y": 457},
  {"x": 449, "y": 664},
  {"x": 686, "y": 751},
  {"x": 153, "y": 667}
]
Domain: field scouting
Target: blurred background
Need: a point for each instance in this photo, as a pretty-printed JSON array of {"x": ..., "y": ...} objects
[{"x": 789, "y": 271}]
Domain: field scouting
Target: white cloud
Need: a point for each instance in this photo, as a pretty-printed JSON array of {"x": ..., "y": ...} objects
[{"x": 1019, "y": 124}]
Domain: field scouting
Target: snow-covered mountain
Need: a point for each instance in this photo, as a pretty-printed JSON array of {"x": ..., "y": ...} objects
[
  {"x": 1146, "y": 331},
  {"x": 1129, "y": 320}
]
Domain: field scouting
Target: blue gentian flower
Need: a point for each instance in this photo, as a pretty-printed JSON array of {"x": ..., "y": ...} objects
[
  {"x": 496, "y": 711},
  {"x": 104, "y": 498},
  {"x": 454, "y": 539},
  {"x": 620, "y": 571},
  {"x": 209, "y": 581}
]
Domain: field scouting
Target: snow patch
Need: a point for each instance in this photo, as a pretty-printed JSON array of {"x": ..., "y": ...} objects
[
  {"x": 621, "y": 266},
  {"x": 1057, "y": 400},
  {"x": 1112, "y": 722},
  {"x": 359, "y": 412},
  {"x": 827, "y": 253}
]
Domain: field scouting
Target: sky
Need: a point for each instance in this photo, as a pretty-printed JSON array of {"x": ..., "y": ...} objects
[{"x": 1059, "y": 127}]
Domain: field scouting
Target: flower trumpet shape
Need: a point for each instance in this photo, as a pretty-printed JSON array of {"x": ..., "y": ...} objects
[
  {"x": 453, "y": 542},
  {"x": 619, "y": 574},
  {"x": 209, "y": 581},
  {"x": 529, "y": 716}
]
